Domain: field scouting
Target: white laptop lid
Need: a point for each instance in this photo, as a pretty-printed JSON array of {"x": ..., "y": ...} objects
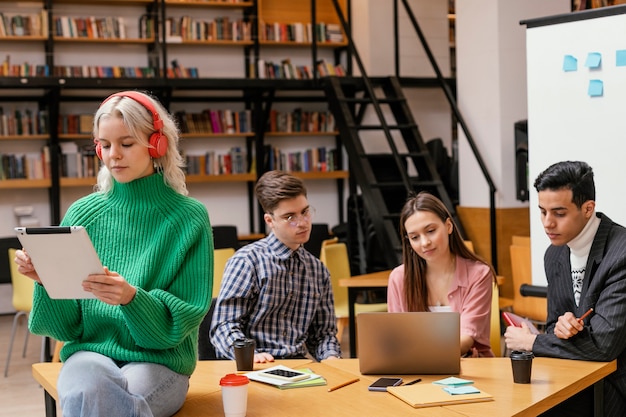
[{"x": 409, "y": 343}]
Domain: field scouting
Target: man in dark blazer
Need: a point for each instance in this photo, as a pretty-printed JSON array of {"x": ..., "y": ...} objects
[{"x": 586, "y": 269}]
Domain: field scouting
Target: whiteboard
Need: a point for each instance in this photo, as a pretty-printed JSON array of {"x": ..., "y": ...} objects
[{"x": 569, "y": 121}]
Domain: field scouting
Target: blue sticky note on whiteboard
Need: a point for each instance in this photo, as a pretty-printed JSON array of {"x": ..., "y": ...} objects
[
  {"x": 570, "y": 63},
  {"x": 596, "y": 88},
  {"x": 594, "y": 59},
  {"x": 620, "y": 58}
]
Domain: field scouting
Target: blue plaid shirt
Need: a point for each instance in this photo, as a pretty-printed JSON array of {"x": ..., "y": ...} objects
[{"x": 281, "y": 298}]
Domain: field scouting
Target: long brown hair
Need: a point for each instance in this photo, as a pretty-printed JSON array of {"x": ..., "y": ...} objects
[{"x": 415, "y": 288}]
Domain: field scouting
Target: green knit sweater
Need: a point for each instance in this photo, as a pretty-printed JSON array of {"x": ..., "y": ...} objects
[{"x": 161, "y": 242}]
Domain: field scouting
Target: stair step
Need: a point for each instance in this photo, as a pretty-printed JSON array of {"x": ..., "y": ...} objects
[
  {"x": 380, "y": 127},
  {"x": 367, "y": 100},
  {"x": 400, "y": 154}
]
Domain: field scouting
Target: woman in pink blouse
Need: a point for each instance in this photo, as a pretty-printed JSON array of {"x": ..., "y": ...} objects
[{"x": 439, "y": 273}]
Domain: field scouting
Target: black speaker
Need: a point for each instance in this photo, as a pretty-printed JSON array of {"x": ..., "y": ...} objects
[{"x": 521, "y": 159}]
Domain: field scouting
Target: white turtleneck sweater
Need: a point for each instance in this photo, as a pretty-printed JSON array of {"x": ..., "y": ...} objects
[{"x": 580, "y": 247}]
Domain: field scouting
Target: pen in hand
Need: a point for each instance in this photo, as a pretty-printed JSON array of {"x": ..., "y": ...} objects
[
  {"x": 580, "y": 320},
  {"x": 352, "y": 381},
  {"x": 414, "y": 381}
]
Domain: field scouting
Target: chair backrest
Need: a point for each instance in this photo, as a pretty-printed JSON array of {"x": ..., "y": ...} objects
[
  {"x": 534, "y": 308},
  {"x": 520, "y": 240},
  {"x": 206, "y": 350},
  {"x": 495, "y": 335},
  {"x": 220, "y": 257},
  {"x": 335, "y": 257},
  {"x": 225, "y": 236},
  {"x": 7, "y": 243},
  {"x": 469, "y": 245},
  {"x": 319, "y": 233},
  {"x": 23, "y": 286}
]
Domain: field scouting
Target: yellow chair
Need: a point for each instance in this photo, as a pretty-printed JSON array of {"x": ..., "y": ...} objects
[
  {"x": 494, "y": 335},
  {"x": 335, "y": 257},
  {"x": 220, "y": 257},
  {"x": 23, "y": 288},
  {"x": 533, "y": 308},
  {"x": 520, "y": 240}
]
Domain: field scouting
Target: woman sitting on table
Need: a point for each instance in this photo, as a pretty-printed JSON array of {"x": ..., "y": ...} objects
[{"x": 439, "y": 273}]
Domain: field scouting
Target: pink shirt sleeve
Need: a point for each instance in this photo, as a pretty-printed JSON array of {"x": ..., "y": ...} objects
[
  {"x": 472, "y": 298},
  {"x": 395, "y": 291}
]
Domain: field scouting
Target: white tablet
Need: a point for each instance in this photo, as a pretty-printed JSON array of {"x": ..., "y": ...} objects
[{"x": 63, "y": 257}]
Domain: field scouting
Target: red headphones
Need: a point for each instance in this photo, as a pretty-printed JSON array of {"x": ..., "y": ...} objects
[{"x": 158, "y": 141}]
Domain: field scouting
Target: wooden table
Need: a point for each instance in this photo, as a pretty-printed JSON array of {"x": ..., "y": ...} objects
[
  {"x": 553, "y": 380},
  {"x": 356, "y": 284}
]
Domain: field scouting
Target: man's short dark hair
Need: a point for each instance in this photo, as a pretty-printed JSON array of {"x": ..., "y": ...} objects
[
  {"x": 276, "y": 186},
  {"x": 570, "y": 175}
]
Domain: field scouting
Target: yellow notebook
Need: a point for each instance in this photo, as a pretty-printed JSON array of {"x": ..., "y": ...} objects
[{"x": 429, "y": 395}]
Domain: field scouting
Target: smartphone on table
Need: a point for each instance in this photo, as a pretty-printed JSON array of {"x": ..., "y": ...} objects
[
  {"x": 381, "y": 384},
  {"x": 285, "y": 374}
]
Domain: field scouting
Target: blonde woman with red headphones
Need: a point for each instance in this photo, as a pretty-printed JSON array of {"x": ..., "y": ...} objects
[{"x": 131, "y": 349}]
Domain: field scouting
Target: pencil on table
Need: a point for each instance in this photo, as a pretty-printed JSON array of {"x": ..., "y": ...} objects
[{"x": 352, "y": 381}]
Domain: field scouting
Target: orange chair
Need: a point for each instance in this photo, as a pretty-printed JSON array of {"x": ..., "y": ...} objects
[
  {"x": 533, "y": 308},
  {"x": 220, "y": 257},
  {"x": 335, "y": 257}
]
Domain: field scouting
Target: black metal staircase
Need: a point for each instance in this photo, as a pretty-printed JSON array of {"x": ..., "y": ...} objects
[{"x": 386, "y": 177}]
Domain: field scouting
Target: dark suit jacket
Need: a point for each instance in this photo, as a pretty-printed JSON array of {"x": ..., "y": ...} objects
[{"x": 604, "y": 289}]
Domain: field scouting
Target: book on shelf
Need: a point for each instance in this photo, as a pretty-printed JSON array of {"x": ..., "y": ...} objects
[
  {"x": 89, "y": 27},
  {"x": 23, "y": 122},
  {"x": 300, "y": 32},
  {"x": 29, "y": 165},
  {"x": 32, "y": 24},
  {"x": 320, "y": 159},
  {"x": 213, "y": 163},
  {"x": 300, "y": 121}
]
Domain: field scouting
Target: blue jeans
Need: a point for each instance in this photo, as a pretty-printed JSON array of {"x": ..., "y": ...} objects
[{"x": 91, "y": 384}]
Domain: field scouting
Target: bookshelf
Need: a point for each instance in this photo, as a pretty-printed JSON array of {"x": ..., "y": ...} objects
[{"x": 225, "y": 77}]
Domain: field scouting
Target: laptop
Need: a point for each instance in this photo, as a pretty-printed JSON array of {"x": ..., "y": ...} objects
[{"x": 409, "y": 343}]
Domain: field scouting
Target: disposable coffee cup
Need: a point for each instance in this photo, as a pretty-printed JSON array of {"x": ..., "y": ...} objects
[
  {"x": 244, "y": 354},
  {"x": 522, "y": 364},
  {"x": 235, "y": 395}
]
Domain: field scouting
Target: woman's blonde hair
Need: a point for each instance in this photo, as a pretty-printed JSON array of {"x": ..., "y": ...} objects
[{"x": 140, "y": 124}]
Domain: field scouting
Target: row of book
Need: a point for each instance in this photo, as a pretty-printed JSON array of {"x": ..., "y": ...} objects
[
  {"x": 78, "y": 161},
  {"x": 215, "y": 163},
  {"x": 300, "y": 32},
  {"x": 286, "y": 70},
  {"x": 91, "y": 71},
  {"x": 23, "y": 122},
  {"x": 300, "y": 121},
  {"x": 215, "y": 121},
  {"x": 89, "y": 27},
  {"x": 30, "y": 165},
  {"x": 75, "y": 124},
  {"x": 319, "y": 159},
  {"x": 186, "y": 28},
  {"x": 33, "y": 24}
]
